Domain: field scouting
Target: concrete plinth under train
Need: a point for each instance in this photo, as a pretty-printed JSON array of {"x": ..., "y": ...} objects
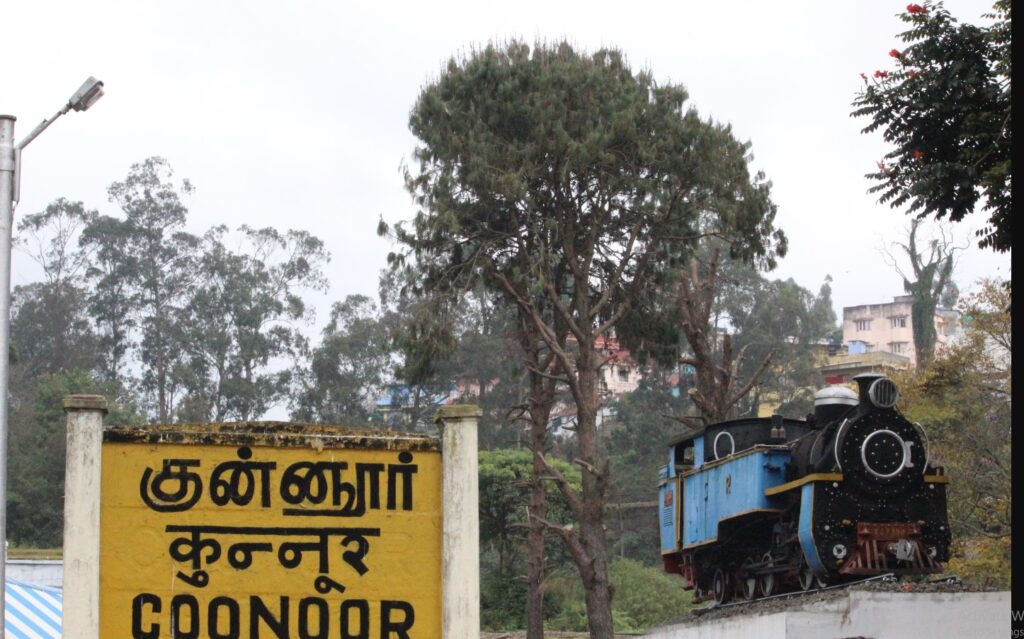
[{"x": 861, "y": 613}]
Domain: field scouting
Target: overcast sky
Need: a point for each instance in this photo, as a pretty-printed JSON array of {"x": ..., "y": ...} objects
[{"x": 294, "y": 114}]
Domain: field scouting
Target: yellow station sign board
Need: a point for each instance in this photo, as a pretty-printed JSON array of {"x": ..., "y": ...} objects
[{"x": 283, "y": 533}]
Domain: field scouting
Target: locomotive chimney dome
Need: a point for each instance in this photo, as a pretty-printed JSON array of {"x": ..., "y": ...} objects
[
  {"x": 877, "y": 390},
  {"x": 831, "y": 402}
]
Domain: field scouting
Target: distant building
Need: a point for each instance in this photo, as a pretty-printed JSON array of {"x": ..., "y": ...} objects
[
  {"x": 841, "y": 369},
  {"x": 409, "y": 407},
  {"x": 887, "y": 328},
  {"x": 618, "y": 375}
]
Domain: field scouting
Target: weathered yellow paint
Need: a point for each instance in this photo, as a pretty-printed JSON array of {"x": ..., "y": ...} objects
[
  {"x": 775, "y": 490},
  {"x": 148, "y": 575}
]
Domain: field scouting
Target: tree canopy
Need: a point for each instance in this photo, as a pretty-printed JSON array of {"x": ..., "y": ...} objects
[
  {"x": 964, "y": 399},
  {"x": 945, "y": 108},
  {"x": 568, "y": 183}
]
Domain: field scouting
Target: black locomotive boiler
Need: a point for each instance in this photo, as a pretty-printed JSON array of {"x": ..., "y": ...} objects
[{"x": 754, "y": 507}]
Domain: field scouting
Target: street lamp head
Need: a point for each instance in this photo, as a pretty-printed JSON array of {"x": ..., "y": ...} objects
[{"x": 87, "y": 94}]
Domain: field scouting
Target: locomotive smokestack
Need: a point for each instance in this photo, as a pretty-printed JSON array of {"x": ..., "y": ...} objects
[{"x": 864, "y": 381}]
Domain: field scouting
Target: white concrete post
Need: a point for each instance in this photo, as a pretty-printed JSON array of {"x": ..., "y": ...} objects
[
  {"x": 460, "y": 552},
  {"x": 81, "y": 599}
]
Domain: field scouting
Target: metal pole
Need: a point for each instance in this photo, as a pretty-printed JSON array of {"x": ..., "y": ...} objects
[{"x": 7, "y": 164}]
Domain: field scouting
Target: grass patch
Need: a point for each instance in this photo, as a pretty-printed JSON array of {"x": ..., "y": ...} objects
[{"x": 35, "y": 553}]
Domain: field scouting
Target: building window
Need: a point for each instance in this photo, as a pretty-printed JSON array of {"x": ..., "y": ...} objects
[
  {"x": 623, "y": 374},
  {"x": 862, "y": 324},
  {"x": 899, "y": 322},
  {"x": 898, "y": 347}
]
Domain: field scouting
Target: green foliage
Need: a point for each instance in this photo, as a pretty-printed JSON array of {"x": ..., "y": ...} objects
[
  {"x": 946, "y": 111},
  {"x": 347, "y": 370},
  {"x": 157, "y": 270},
  {"x": 644, "y": 596},
  {"x": 637, "y": 439},
  {"x": 50, "y": 328},
  {"x": 505, "y": 479},
  {"x": 50, "y": 238},
  {"x": 35, "y": 502},
  {"x": 792, "y": 323},
  {"x": 502, "y": 595},
  {"x": 963, "y": 400},
  {"x": 520, "y": 143},
  {"x": 982, "y": 560},
  {"x": 202, "y": 329},
  {"x": 109, "y": 274},
  {"x": 567, "y": 183},
  {"x": 242, "y": 313},
  {"x": 763, "y": 316},
  {"x": 204, "y": 322}
]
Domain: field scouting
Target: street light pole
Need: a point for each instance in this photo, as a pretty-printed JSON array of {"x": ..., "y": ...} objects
[
  {"x": 7, "y": 165},
  {"x": 10, "y": 167}
]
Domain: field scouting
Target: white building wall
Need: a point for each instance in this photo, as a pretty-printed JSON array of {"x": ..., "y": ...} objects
[
  {"x": 38, "y": 572},
  {"x": 879, "y": 615}
]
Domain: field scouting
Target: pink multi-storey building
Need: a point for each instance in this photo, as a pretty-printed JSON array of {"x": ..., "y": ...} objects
[{"x": 887, "y": 327}]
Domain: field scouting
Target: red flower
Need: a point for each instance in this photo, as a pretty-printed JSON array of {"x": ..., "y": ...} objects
[
  {"x": 918, "y": 154},
  {"x": 863, "y": 77},
  {"x": 895, "y": 54},
  {"x": 915, "y": 8},
  {"x": 881, "y": 74}
]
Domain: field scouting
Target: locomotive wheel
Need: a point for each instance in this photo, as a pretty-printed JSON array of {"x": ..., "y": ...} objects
[
  {"x": 722, "y": 586},
  {"x": 767, "y": 584},
  {"x": 748, "y": 580},
  {"x": 806, "y": 578}
]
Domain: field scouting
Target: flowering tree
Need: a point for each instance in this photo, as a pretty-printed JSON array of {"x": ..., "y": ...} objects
[{"x": 946, "y": 110}]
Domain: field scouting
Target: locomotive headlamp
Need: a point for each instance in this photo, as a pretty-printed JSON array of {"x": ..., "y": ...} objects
[{"x": 883, "y": 393}]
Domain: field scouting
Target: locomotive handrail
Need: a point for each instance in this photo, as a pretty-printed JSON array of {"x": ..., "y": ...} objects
[{"x": 925, "y": 443}]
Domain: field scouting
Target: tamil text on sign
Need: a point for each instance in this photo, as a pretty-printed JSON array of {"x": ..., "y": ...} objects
[{"x": 297, "y": 532}]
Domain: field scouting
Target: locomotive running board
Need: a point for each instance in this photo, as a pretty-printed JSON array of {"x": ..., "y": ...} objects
[
  {"x": 796, "y": 483},
  {"x": 873, "y": 554}
]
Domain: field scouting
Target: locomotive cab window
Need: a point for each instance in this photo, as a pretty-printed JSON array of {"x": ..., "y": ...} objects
[{"x": 684, "y": 456}]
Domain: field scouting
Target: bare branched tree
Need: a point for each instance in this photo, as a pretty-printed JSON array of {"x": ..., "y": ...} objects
[{"x": 931, "y": 272}]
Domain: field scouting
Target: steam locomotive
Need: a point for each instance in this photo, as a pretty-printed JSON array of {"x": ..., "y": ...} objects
[{"x": 754, "y": 507}]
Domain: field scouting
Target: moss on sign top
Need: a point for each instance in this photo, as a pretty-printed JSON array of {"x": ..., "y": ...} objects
[{"x": 269, "y": 433}]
